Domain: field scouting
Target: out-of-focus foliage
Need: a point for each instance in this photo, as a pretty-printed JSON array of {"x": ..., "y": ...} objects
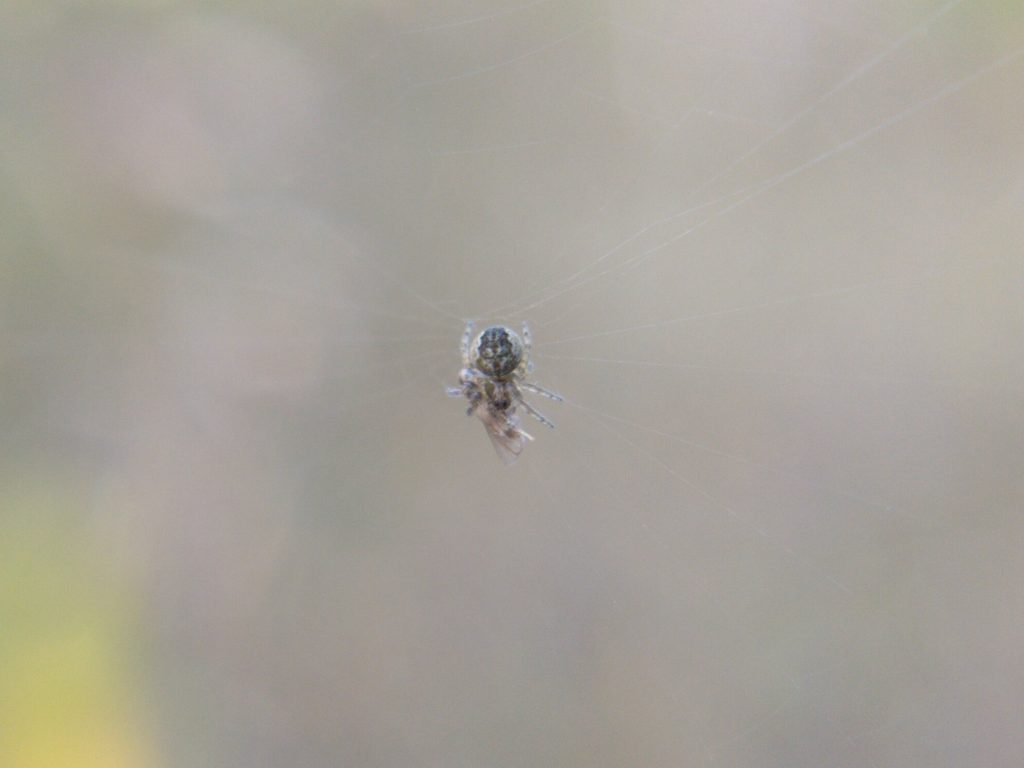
[{"x": 68, "y": 638}]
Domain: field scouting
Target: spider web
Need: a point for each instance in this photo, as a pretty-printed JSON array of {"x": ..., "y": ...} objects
[
  {"x": 762, "y": 454},
  {"x": 771, "y": 256}
]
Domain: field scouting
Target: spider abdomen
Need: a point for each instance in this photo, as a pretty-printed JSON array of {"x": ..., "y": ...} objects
[{"x": 497, "y": 352}]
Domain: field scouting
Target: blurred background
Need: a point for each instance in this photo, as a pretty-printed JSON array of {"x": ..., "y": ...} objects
[{"x": 771, "y": 254}]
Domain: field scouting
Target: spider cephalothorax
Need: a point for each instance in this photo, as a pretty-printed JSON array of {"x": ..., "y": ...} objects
[{"x": 493, "y": 378}]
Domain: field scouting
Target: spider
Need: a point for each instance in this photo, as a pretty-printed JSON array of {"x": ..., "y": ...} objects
[{"x": 493, "y": 378}]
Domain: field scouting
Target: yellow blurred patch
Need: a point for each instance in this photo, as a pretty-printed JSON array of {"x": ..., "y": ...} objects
[{"x": 67, "y": 644}]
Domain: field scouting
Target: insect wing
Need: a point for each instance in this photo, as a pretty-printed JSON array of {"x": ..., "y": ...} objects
[
  {"x": 506, "y": 436},
  {"x": 507, "y": 447}
]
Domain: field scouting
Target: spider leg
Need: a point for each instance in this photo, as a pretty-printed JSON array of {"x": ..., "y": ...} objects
[
  {"x": 536, "y": 414},
  {"x": 473, "y": 394},
  {"x": 527, "y": 346},
  {"x": 467, "y": 392},
  {"x": 467, "y": 334},
  {"x": 513, "y": 426},
  {"x": 465, "y": 384},
  {"x": 540, "y": 391}
]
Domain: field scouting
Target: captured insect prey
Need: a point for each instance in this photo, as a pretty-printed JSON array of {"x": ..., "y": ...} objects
[{"x": 493, "y": 379}]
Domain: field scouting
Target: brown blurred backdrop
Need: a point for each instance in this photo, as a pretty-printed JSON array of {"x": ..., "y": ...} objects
[{"x": 771, "y": 254}]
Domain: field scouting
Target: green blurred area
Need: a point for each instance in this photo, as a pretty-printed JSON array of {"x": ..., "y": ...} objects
[{"x": 69, "y": 633}]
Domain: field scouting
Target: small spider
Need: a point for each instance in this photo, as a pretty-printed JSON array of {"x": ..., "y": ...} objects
[{"x": 493, "y": 378}]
